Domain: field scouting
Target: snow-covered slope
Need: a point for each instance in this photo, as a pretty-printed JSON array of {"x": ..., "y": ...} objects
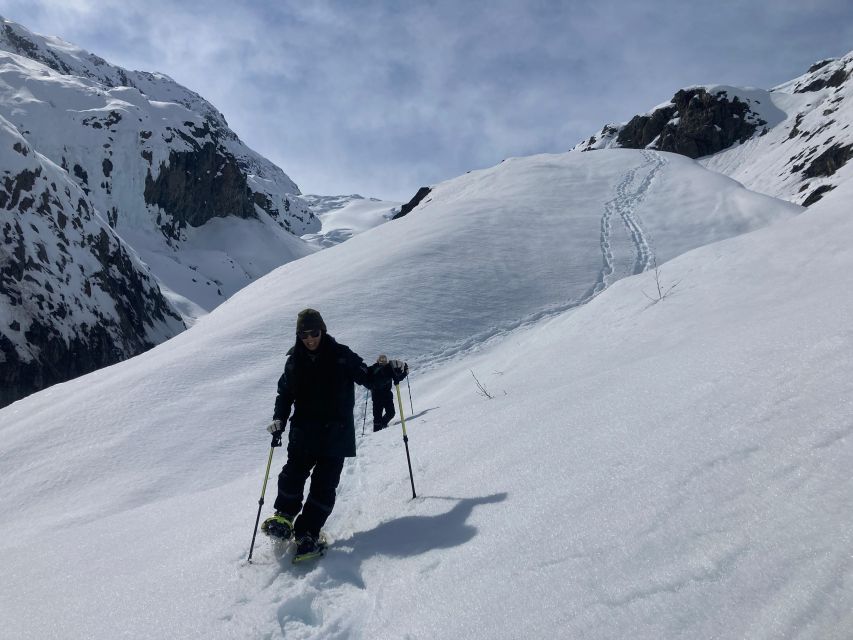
[
  {"x": 791, "y": 142},
  {"x": 643, "y": 470},
  {"x": 342, "y": 217}
]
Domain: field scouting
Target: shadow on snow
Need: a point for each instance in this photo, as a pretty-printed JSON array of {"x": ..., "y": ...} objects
[{"x": 404, "y": 537}]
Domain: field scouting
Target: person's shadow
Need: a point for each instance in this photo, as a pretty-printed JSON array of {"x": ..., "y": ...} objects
[
  {"x": 414, "y": 416},
  {"x": 404, "y": 537}
]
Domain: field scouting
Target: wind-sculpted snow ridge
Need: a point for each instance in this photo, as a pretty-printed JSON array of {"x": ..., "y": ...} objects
[
  {"x": 74, "y": 297},
  {"x": 792, "y": 142}
]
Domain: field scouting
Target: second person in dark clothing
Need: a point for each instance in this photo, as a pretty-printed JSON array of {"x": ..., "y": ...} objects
[
  {"x": 383, "y": 375},
  {"x": 380, "y": 394}
]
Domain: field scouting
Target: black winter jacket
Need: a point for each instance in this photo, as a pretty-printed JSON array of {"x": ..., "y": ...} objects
[
  {"x": 381, "y": 378},
  {"x": 319, "y": 388}
]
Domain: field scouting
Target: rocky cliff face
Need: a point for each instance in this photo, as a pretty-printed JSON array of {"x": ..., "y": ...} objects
[
  {"x": 101, "y": 166},
  {"x": 152, "y": 155},
  {"x": 697, "y": 124},
  {"x": 794, "y": 141},
  {"x": 73, "y": 297}
]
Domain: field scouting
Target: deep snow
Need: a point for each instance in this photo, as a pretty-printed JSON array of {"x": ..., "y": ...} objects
[{"x": 669, "y": 469}]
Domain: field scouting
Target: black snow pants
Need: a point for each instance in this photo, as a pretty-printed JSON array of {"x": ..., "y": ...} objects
[
  {"x": 383, "y": 409},
  {"x": 321, "y": 495}
]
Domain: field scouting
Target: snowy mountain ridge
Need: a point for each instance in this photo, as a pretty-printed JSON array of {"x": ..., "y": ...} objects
[
  {"x": 204, "y": 214},
  {"x": 792, "y": 141}
]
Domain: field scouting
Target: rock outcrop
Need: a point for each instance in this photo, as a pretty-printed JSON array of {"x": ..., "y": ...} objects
[
  {"x": 697, "y": 124},
  {"x": 794, "y": 141}
]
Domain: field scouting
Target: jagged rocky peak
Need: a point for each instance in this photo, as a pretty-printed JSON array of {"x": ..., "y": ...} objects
[
  {"x": 794, "y": 141},
  {"x": 697, "y": 122},
  {"x": 73, "y": 297},
  {"x": 95, "y": 160},
  {"x": 116, "y": 130}
]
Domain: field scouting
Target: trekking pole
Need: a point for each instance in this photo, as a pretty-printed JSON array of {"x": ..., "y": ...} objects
[
  {"x": 405, "y": 439},
  {"x": 364, "y": 417},
  {"x": 410, "y": 394},
  {"x": 276, "y": 442}
]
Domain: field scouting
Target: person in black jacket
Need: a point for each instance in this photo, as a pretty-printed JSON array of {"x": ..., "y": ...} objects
[
  {"x": 317, "y": 384},
  {"x": 382, "y": 375},
  {"x": 380, "y": 393}
]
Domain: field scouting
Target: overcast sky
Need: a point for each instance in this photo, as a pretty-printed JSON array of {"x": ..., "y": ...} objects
[{"x": 380, "y": 98}]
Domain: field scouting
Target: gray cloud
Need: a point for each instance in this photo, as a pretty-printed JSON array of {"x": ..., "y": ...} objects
[{"x": 383, "y": 97}]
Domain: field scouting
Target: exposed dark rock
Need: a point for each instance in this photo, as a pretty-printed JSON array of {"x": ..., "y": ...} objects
[
  {"x": 422, "y": 193},
  {"x": 705, "y": 125},
  {"x": 835, "y": 80},
  {"x": 199, "y": 185},
  {"x": 817, "y": 194},
  {"x": 265, "y": 202},
  {"x": 795, "y": 130},
  {"x": 642, "y": 130},
  {"x": 81, "y": 174},
  {"x": 107, "y": 166},
  {"x": 820, "y": 64},
  {"x": 829, "y": 161}
]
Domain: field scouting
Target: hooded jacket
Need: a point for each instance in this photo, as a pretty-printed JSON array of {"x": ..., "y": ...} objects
[{"x": 318, "y": 387}]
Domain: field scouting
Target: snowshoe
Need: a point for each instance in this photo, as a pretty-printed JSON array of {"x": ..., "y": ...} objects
[
  {"x": 308, "y": 547},
  {"x": 278, "y": 525}
]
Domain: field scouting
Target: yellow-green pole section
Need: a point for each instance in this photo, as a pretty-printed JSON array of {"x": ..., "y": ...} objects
[
  {"x": 405, "y": 439},
  {"x": 263, "y": 491}
]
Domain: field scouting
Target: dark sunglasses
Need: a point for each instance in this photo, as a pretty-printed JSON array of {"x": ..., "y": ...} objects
[{"x": 309, "y": 333}]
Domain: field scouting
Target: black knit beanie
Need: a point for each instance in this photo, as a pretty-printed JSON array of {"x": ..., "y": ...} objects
[{"x": 309, "y": 319}]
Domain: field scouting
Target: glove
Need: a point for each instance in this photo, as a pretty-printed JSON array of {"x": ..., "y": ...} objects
[
  {"x": 275, "y": 427},
  {"x": 399, "y": 370}
]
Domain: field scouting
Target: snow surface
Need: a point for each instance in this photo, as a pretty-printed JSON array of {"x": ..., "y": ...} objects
[
  {"x": 342, "y": 217},
  {"x": 668, "y": 469}
]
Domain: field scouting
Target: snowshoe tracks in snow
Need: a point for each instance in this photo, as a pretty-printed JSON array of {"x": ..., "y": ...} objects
[
  {"x": 636, "y": 255},
  {"x": 626, "y": 250}
]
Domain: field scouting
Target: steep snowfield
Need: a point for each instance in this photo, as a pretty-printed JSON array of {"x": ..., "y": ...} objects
[{"x": 677, "y": 469}]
